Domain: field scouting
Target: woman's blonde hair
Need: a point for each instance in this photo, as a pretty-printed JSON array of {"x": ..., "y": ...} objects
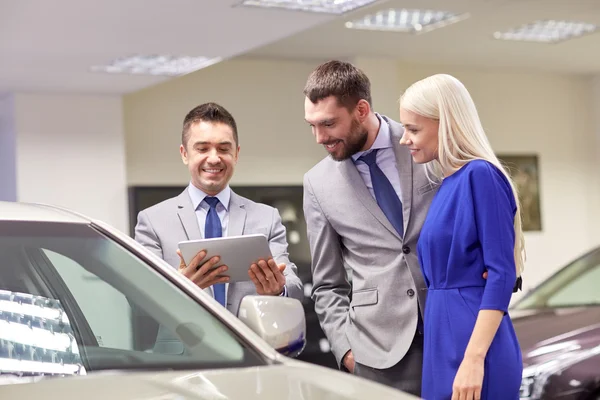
[{"x": 461, "y": 137}]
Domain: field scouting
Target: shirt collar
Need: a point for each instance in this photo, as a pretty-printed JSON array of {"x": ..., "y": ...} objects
[
  {"x": 382, "y": 141},
  {"x": 198, "y": 196}
]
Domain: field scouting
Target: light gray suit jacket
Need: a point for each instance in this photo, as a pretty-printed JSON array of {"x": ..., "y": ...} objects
[
  {"x": 161, "y": 227},
  {"x": 348, "y": 231}
]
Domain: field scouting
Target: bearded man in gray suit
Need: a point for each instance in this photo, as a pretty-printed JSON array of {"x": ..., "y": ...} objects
[
  {"x": 364, "y": 207},
  {"x": 210, "y": 149}
]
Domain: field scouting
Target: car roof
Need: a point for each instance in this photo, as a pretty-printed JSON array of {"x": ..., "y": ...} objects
[{"x": 34, "y": 212}]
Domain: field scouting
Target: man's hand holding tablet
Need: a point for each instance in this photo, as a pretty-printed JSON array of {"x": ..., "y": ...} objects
[
  {"x": 267, "y": 277},
  {"x": 203, "y": 275}
]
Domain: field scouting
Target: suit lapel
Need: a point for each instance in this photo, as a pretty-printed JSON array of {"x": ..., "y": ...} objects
[
  {"x": 358, "y": 187},
  {"x": 237, "y": 215},
  {"x": 187, "y": 216},
  {"x": 405, "y": 170},
  {"x": 189, "y": 222}
]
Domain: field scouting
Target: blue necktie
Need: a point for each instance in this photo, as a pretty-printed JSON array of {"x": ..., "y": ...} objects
[
  {"x": 388, "y": 201},
  {"x": 213, "y": 229},
  {"x": 385, "y": 194}
]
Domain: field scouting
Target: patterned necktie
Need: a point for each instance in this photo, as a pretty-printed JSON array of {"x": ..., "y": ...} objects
[
  {"x": 386, "y": 196},
  {"x": 213, "y": 229}
]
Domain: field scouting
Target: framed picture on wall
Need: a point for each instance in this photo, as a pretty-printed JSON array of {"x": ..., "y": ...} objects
[{"x": 524, "y": 170}]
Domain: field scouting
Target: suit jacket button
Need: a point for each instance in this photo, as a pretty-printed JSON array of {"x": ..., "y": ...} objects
[
  {"x": 406, "y": 249},
  {"x": 410, "y": 292}
]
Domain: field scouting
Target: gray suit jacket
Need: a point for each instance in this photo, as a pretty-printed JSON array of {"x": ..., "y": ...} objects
[
  {"x": 348, "y": 231},
  {"x": 161, "y": 227}
]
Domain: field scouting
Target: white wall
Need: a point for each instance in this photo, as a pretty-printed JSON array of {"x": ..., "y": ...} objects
[
  {"x": 266, "y": 100},
  {"x": 70, "y": 153},
  {"x": 549, "y": 115},
  {"x": 8, "y": 177}
]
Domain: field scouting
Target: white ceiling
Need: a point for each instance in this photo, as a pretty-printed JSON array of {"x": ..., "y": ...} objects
[
  {"x": 50, "y": 45},
  {"x": 469, "y": 42}
]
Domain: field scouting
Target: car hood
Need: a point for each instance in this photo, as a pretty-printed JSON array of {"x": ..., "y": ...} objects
[
  {"x": 555, "y": 334},
  {"x": 295, "y": 381}
]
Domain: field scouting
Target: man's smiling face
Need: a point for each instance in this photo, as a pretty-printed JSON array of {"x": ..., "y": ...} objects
[{"x": 210, "y": 154}]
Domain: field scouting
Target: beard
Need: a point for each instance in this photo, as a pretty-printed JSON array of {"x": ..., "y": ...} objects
[{"x": 355, "y": 142}]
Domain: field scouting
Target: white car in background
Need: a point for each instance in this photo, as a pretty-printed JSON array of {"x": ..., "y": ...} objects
[{"x": 86, "y": 312}]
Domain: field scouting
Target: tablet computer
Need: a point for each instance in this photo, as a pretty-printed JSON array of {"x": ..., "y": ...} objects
[{"x": 237, "y": 252}]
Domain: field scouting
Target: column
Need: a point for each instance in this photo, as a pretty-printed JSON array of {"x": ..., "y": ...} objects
[
  {"x": 594, "y": 187},
  {"x": 70, "y": 152},
  {"x": 8, "y": 173}
]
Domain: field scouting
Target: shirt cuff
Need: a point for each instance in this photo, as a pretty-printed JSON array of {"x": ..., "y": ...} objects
[{"x": 284, "y": 292}]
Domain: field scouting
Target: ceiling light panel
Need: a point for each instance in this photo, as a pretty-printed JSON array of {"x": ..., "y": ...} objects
[
  {"x": 317, "y": 6},
  {"x": 547, "y": 31},
  {"x": 164, "y": 65},
  {"x": 405, "y": 20}
]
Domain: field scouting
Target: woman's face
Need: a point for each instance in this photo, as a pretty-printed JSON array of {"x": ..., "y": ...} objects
[{"x": 420, "y": 136}]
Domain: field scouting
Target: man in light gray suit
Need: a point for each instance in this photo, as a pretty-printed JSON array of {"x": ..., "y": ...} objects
[
  {"x": 209, "y": 208},
  {"x": 364, "y": 207}
]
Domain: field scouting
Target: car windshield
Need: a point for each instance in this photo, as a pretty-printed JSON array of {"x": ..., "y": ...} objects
[
  {"x": 573, "y": 286},
  {"x": 73, "y": 301}
]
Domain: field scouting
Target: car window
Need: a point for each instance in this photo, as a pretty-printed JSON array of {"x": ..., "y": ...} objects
[
  {"x": 94, "y": 297},
  {"x": 574, "y": 285},
  {"x": 101, "y": 307}
]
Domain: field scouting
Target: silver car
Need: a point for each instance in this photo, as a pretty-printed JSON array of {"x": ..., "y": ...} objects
[{"x": 86, "y": 312}]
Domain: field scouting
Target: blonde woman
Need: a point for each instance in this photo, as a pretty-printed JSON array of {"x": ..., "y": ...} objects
[{"x": 473, "y": 226}]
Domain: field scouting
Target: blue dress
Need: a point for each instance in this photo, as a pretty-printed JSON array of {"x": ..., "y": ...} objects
[{"x": 469, "y": 229}]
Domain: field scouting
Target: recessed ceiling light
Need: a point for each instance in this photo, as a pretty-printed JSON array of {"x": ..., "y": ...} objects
[
  {"x": 156, "y": 65},
  {"x": 403, "y": 20},
  {"x": 547, "y": 31},
  {"x": 318, "y": 6}
]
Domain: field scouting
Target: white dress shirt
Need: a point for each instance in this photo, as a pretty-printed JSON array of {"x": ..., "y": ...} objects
[{"x": 386, "y": 159}]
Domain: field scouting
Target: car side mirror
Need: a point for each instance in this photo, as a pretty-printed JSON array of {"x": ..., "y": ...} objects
[{"x": 280, "y": 321}]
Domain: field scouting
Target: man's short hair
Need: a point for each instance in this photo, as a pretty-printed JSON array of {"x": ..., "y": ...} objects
[
  {"x": 208, "y": 112},
  {"x": 340, "y": 79}
]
